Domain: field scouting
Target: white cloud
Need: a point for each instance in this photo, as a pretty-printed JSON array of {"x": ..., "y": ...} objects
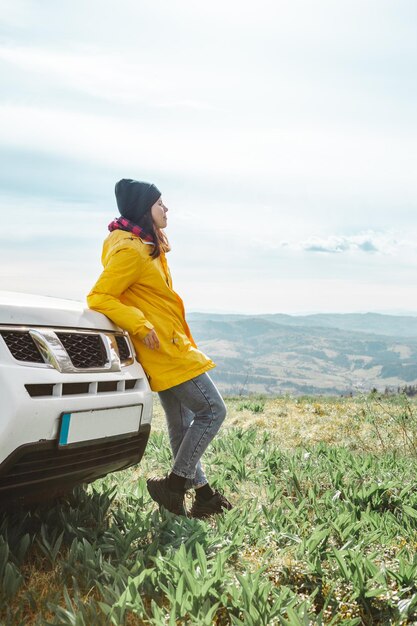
[
  {"x": 368, "y": 242},
  {"x": 38, "y": 220},
  {"x": 15, "y": 14},
  {"x": 320, "y": 159},
  {"x": 103, "y": 75}
]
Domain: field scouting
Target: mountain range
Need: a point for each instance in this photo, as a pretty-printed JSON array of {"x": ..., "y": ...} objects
[{"x": 330, "y": 354}]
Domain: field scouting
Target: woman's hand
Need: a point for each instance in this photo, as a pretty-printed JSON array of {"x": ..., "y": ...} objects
[{"x": 151, "y": 340}]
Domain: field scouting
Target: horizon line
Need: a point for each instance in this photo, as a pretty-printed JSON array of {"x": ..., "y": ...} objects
[{"x": 393, "y": 313}]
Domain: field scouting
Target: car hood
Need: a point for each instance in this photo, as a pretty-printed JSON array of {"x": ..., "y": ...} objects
[{"x": 33, "y": 310}]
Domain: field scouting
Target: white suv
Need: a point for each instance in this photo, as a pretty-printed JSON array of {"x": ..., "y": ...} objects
[{"x": 75, "y": 404}]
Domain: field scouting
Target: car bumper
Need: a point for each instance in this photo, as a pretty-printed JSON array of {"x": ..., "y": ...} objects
[
  {"x": 33, "y": 401},
  {"x": 44, "y": 470}
]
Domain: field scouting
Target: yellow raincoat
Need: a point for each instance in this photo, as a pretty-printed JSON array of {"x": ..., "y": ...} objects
[{"x": 135, "y": 292}]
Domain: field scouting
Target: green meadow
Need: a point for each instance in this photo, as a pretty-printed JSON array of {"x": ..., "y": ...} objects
[{"x": 324, "y": 529}]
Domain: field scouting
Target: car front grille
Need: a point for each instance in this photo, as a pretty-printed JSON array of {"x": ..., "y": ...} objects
[
  {"x": 43, "y": 390},
  {"x": 22, "y": 346},
  {"x": 86, "y": 350},
  {"x": 123, "y": 347},
  {"x": 83, "y": 349}
]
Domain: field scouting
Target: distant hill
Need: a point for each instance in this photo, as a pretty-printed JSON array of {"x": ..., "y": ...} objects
[
  {"x": 392, "y": 325},
  {"x": 313, "y": 354}
]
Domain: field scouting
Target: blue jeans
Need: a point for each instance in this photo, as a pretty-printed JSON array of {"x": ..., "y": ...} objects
[{"x": 194, "y": 412}]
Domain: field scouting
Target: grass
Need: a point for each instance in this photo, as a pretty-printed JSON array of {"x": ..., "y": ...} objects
[{"x": 324, "y": 530}]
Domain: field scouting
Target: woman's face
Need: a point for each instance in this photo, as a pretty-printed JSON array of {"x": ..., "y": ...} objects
[{"x": 158, "y": 212}]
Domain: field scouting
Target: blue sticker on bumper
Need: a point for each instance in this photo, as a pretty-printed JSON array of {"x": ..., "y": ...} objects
[{"x": 63, "y": 437}]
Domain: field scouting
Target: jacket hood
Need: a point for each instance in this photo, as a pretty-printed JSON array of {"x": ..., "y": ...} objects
[{"x": 118, "y": 239}]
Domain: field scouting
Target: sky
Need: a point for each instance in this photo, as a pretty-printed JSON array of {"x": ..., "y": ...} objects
[{"x": 282, "y": 134}]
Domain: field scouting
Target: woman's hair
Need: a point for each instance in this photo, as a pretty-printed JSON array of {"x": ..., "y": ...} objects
[{"x": 159, "y": 238}]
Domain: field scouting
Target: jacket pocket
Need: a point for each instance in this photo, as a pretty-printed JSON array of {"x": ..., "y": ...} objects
[{"x": 181, "y": 341}]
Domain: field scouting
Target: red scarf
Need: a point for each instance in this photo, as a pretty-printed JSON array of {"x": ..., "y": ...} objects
[{"x": 122, "y": 223}]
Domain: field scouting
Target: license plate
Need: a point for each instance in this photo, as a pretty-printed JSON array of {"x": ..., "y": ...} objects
[{"x": 84, "y": 426}]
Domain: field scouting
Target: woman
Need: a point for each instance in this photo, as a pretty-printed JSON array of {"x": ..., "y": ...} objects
[{"x": 135, "y": 292}]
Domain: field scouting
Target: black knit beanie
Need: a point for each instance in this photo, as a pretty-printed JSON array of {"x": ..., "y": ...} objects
[{"x": 134, "y": 198}]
